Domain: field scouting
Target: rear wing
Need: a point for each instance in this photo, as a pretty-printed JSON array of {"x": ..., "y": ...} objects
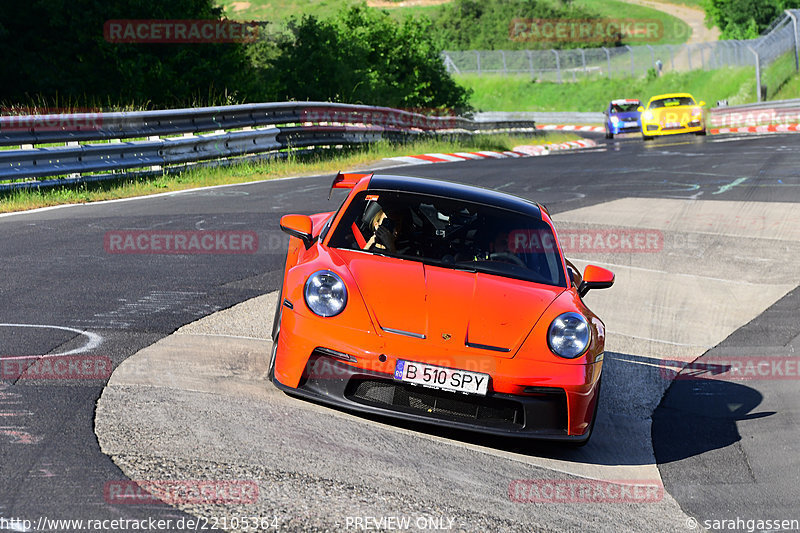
[{"x": 346, "y": 181}]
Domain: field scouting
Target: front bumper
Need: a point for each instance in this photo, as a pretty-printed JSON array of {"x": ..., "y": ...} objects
[
  {"x": 618, "y": 128},
  {"x": 655, "y": 128},
  {"x": 541, "y": 414}
]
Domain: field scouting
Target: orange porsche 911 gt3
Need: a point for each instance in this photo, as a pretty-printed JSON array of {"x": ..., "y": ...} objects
[{"x": 439, "y": 303}]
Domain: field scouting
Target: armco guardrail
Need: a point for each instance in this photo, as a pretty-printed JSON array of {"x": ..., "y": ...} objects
[
  {"x": 544, "y": 117},
  {"x": 760, "y": 114},
  {"x": 104, "y": 142}
]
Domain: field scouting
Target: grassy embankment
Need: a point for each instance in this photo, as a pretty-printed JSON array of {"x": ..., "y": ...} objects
[{"x": 519, "y": 93}]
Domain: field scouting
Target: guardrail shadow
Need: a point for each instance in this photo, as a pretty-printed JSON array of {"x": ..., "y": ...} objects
[{"x": 698, "y": 415}]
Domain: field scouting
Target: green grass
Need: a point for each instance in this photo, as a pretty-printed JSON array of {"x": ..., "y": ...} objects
[
  {"x": 778, "y": 77},
  {"x": 359, "y": 158},
  {"x": 790, "y": 89},
  {"x": 519, "y": 93},
  {"x": 691, "y": 3},
  {"x": 280, "y": 10}
]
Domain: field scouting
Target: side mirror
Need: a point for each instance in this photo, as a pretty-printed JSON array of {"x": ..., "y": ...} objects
[
  {"x": 702, "y": 103},
  {"x": 640, "y": 109},
  {"x": 298, "y": 226},
  {"x": 595, "y": 277}
]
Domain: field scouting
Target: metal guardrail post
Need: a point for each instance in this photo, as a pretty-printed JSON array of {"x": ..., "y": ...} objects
[
  {"x": 530, "y": 61},
  {"x": 630, "y": 51},
  {"x": 608, "y": 61},
  {"x": 583, "y": 60},
  {"x": 558, "y": 66},
  {"x": 758, "y": 72},
  {"x": 796, "y": 40},
  {"x": 478, "y": 57}
]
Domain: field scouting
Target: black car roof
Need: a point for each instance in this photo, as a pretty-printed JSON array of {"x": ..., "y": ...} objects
[{"x": 458, "y": 191}]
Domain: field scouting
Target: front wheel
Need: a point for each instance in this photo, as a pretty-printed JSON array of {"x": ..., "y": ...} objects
[
  {"x": 273, "y": 353},
  {"x": 276, "y": 331},
  {"x": 609, "y": 135}
]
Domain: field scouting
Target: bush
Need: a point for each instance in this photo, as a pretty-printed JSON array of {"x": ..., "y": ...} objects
[{"x": 363, "y": 56}]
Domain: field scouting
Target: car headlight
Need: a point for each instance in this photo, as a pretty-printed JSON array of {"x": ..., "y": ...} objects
[
  {"x": 568, "y": 335},
  {"x": 648, "y": 115},
  {"x": 325, "y": 293},
  {"x": 614, "y": 119}
]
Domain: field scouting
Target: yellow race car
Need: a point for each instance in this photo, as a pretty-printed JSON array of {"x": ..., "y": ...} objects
[{"x": 668, "y": 114}]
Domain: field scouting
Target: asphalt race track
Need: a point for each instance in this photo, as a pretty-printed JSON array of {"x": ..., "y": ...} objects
[{"x": 719, "y": 284}]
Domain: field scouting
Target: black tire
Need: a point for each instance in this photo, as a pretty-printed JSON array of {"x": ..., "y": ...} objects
[
  {"x": 276, "y": 331},
  {"x": 276, "y": 321},
  {"x": 609, "y": 135},
  {"x": 701, "y": 132},
  {"x": 272, "y": 354},
  {"x": 647, "y": 137}
]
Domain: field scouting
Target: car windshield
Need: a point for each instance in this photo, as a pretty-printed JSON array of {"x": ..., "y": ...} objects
[
  {"x": 672, "y": 102},
  {"x": 624, "y": 108},
  {"x": 452, "y": 234}
]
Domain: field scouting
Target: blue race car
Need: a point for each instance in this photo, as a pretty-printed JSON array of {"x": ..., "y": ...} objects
[{"x": 622, "y": 117}]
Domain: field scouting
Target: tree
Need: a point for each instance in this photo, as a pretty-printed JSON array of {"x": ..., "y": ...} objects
[
  {"x": 54, "y": 53},
  {"x": 744, "y": 19},
  {"x": 364, "y": 56}
]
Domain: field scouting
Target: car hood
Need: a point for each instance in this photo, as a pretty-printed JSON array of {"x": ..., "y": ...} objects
[
  {"x": 673, "y": 114},
  {"x": 451, "y": 308}
]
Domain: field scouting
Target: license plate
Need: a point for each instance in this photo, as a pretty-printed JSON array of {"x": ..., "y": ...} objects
[
  {"x": 443, "y": 378},
  {"x": 631, "y": 124},
  {"x": 672, "y": 125}
]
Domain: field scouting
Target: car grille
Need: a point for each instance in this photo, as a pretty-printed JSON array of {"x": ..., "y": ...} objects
[{"x": 436, "y": 403}]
